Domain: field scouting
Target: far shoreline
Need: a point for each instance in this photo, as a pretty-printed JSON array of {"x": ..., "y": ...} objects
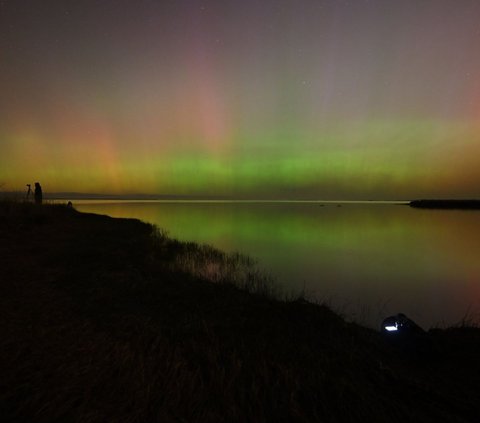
[{"x": 446, "y": 204}]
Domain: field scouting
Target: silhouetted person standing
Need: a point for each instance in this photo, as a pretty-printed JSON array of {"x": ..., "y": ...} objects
[{"x": 38, "y": 193}]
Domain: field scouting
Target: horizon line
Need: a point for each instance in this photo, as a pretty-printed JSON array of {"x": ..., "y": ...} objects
[
  {"x": 72, "y": 195},
  {"x": 67, "y": 195}
]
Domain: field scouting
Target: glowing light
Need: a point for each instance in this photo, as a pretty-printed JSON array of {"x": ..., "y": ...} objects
[
  {"x": 225, "y": 101},
  {"x": 391, "y": 328}
]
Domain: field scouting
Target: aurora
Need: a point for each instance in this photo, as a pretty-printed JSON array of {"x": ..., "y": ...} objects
[{"x": 273, "y": 99}]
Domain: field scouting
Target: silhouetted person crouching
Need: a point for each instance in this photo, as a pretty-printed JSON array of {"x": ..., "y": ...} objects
[{"x": 38, "y": 193}]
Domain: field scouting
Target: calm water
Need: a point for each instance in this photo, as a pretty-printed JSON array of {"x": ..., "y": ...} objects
[{"x": 366, "y": 260}]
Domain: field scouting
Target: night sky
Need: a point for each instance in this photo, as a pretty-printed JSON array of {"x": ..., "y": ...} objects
[{"x": 355, "y": 99}]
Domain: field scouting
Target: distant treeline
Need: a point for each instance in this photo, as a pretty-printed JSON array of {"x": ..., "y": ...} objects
[{"x": 446, "y": 204}]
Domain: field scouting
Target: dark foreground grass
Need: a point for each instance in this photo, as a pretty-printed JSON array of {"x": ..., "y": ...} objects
[{"x": 108, "y": 320}]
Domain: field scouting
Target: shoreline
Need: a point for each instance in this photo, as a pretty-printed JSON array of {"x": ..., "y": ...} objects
[
  {"x": 446, "y": 204},
  {"x": 108, "y": 319}
]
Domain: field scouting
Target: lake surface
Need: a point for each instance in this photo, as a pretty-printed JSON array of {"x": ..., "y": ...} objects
[{"x": 366, "y": 260}]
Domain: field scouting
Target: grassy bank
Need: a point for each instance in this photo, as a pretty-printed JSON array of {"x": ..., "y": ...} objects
[{"x": 110, "y": 320}]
